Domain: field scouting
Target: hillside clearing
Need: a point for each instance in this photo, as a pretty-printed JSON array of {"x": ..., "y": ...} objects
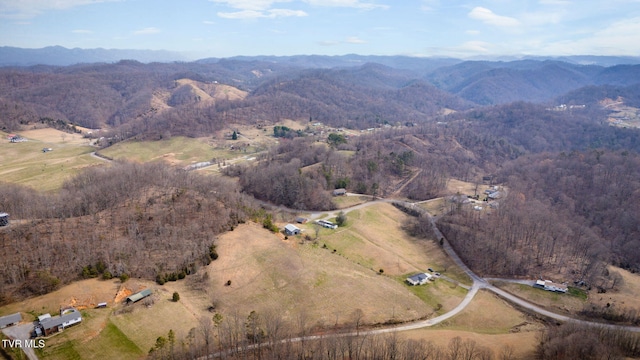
[{"x": 25, "y": 163}]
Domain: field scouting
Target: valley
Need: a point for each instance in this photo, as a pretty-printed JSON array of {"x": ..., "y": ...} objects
[{"x": 192, "y": 171}]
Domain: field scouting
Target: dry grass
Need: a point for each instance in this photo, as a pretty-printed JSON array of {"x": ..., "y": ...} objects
[
  {"x": 463, "y": 187},
  {"x": 374, "y": 238},
  {"x": 143, "y": 325},
  {"x": 490, "y": 314},
  {"x": 524, "y": 344},
  {"x": 343, "y": 202},
  {"x": 268, "y": 273},
  {"x": 25, "y": 163},
  {"x": 557, "y": 302},
  {"x": 490, "y": 322},
  {"x": 435, "y": 207},
  {"x": 625, "y": 297},
  {"x": 178, "y": 150},
  {"x": 81, "y": 294}
]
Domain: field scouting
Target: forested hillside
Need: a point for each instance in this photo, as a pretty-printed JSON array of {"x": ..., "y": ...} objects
[
  {"x": 573, "y": 192},
  {"x": 135, "y": 220}
]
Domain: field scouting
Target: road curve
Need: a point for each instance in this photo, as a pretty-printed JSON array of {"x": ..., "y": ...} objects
[{"x": 478, "y": 283}]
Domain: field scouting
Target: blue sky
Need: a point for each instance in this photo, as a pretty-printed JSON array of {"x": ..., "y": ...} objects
[{"x": 222, "y": 28}]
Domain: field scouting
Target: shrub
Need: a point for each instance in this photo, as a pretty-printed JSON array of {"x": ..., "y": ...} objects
[
  {"x": 176, "y": 297},
  {"x": 341, "y": 219}
]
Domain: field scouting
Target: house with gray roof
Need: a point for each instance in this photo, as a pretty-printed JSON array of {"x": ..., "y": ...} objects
[
  {"x": 52, "y": 324},
  {"x": 419, "y": 279}
]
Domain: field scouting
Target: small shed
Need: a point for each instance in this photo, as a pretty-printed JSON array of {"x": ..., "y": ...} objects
[
  {"x": 4, "y": 219},
  {"x": 10, "y": 320},
  {"x": 138, "y": 296},
  {"x": 291, "y": 229},
  {"x": 101, "y": 305},
  {"x": 339, "y": 192},
  {"x": 301, "y": 220}
]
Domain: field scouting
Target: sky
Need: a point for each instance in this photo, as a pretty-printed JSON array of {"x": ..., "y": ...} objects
[{"x": 224, "y": 28}]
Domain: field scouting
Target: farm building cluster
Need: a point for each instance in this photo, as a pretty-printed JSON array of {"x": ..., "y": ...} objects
[
  {"x": 48, "y": 324},
  {"x": 15, "y": 138}
]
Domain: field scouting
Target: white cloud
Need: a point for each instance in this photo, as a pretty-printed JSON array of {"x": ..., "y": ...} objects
[
  {"x": 208, "y": 22},
  {"x": 472, "y": 32},
  {"x": 254, "y": 5},
  {"x": 429, "y": 5},
  {"x": 31, "y": 8},
  {"x": 328, "y": 43},
  {"x": 147, "y": 31},
  {"x": 555, "y": 2},
  {"x": 346, "y": 3},
  {"x": 355, "y": 40},
  {"x": 255, "y": 14},
  {"x": 489, "y": 17},
  {"x": 619, "y": 38},
  {"x": 82, "y": 31}
]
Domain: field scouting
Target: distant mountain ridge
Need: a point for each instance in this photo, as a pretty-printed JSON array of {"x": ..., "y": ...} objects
[{"x": 61, "y": 56}]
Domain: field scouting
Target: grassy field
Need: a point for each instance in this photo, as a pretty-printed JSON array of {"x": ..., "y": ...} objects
[
  {"x": 490, "y": 322},
  {"x": 562, "y": 303},
  {"x": 25, "y": 163},
  {"x": 435, "y": 207},
  {"x": 348, "y": 201},
  {"x": 178, "y": 150},
  {"x": 269, "y": 273}
]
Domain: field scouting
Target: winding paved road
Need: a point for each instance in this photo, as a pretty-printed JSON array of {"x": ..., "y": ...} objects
[
  {"x": 477, "y": 281},
  {"x": 477, "y": 284}
]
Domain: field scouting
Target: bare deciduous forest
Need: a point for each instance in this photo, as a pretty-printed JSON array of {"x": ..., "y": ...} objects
[
  {"x": 140, "y": 220},
  {"x": 571, "y": 203}
]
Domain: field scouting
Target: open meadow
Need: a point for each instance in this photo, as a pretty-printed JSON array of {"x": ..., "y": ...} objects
[
  {"x": 490, "y": 322},
  {"x": 26, "y": 163}
]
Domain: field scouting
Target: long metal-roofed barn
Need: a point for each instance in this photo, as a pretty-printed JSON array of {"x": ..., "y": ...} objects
[
  {"x": 138, "y": 296},
  {"x": 10, "y": 320}
]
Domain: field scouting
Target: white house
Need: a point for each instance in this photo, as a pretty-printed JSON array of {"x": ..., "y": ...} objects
[
  {"x": 551, "y": 286},
  {"x": 49, "y": 325},
  {"x": 419, "y": 279},
  {"x": 327, "y": 224}
]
